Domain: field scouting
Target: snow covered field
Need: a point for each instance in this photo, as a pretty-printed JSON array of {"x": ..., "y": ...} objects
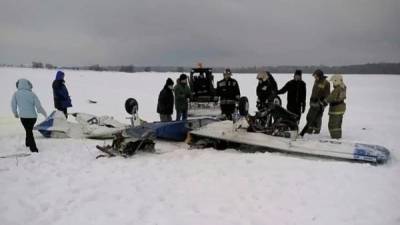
[{"x": 65, "y": 184}]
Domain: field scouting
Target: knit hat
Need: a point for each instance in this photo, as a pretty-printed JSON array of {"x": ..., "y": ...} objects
[
  {"x": 298, "y": 73},
  {"x": 169, "y": 82},
  {"x": 182, "y": 77},
  {"x": 318, "y": 73}
]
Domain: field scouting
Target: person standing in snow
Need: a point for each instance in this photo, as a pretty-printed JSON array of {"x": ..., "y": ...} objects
[
  {"x": 201, "y": 85},
  {"x": 24, "y": 104},
  {"x": 229, "y": 94},
  {"x": 62, "y": 100},
  {"x": 182, "y": 94},
  {"x": 266, "y": 89},
  {"x": 337, "y": 107},
  {"x": 320, "y": 91},
  {"x": 296, "y": 94},
  {"x": 165, "y": 106}
]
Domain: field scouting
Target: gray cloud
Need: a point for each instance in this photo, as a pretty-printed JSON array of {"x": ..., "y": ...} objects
[{"x": 179, "y": 32}]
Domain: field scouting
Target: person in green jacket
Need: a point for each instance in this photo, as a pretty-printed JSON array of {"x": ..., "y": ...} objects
[
  {"x": 337, "y": 107},
  {"x": 182, "y": 94},
  {"x": 320, "y": 92}
]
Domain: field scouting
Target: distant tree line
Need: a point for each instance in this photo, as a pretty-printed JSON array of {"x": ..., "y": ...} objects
[
  {"x": 370, "y": 68},
  {"x": 37, "y": 65},
  {"x": 42, "y": 65}
]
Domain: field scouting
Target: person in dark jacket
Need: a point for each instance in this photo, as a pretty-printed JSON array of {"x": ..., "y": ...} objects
[
  {"x": 229, "y": 94},
  {"x": 272, "y": 81},
  {"x": 165, "y": 106},
  {"x": 24, "y": 105},
  {"x": 182, "y": 94},
  {"x": 320, "y": 92},
  {"x": 201, "y": 85},
  {"x": 62, "y": 100},
  {"x": 296, "y": 94},
  {"x": 266, "y": 89}
]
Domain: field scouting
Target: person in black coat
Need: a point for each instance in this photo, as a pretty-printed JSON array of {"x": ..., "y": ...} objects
[
  {"x": 296, "y": 94},
  {"x": 229, "y": 94},
  {"x": 266, "y": 89},
  {"x": 201, "y": 86},
  {"x": 62, "y": 100},
  {"x": 165, "y": 106}
]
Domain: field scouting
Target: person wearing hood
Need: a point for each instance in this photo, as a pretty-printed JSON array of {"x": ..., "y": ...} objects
[
  {"x": 165, "y": 106},
  {"x": 320, "y": 92},
  {"x": 229, "y": 94},
  {"x": 337, "y": 106},
  {"x": 266, "y": 89},
  {"x": 296, "y": 94},
  {"x": 24, "y": 104},
  {"x": 62, "y": 100},
  {"x": 182, "y": 94}
]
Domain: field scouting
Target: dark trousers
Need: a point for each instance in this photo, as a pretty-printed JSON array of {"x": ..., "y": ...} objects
[
  {"x": 227, "y": 110},
  {"x": 28, "y": 124},
  {"x": 294, "y": 109},
  {"x": 64, "y": 110},
  {"x": 314, "y": 119},
  {"x": 165, "y": 117},
  {"x": 181, "y": 115}
]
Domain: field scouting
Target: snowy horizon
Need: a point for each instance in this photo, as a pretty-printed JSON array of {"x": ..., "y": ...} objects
[{"x": 65, "y": 184}]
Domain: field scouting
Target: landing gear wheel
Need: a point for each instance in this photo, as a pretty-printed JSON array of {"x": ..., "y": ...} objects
[
  {"x": 277, "y": 100},
  {"x": 130, "y": 148},
  {"x": 220, "y": 145},
  {"x": 131, "y": 106}
]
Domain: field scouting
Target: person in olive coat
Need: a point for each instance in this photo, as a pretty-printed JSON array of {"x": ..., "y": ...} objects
[
  {"x": 165, "y": 106},
  {"x": 296, "y": 94},
  {"x": 182, "y": 96},
  {"x": 320, "y": 92},
  {"x": 337, "y": 106}
]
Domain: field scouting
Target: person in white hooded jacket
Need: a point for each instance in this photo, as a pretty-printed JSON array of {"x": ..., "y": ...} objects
[{"x": 24, "y": 104}]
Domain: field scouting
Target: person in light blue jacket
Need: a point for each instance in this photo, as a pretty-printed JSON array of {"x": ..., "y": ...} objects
[{"x": 24, "y": 104}]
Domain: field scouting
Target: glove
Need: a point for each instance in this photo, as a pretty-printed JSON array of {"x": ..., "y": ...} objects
[
  {"x": 303, "y": 108},
  {"x": 323, "y": 103},
  {"x": 258, "y": 105}
]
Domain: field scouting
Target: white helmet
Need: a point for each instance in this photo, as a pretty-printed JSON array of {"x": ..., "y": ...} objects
[{"x": 337, "y": 79}]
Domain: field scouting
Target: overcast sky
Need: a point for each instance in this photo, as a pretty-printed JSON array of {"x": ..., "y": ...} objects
[{"x": 215, "y": 32}]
